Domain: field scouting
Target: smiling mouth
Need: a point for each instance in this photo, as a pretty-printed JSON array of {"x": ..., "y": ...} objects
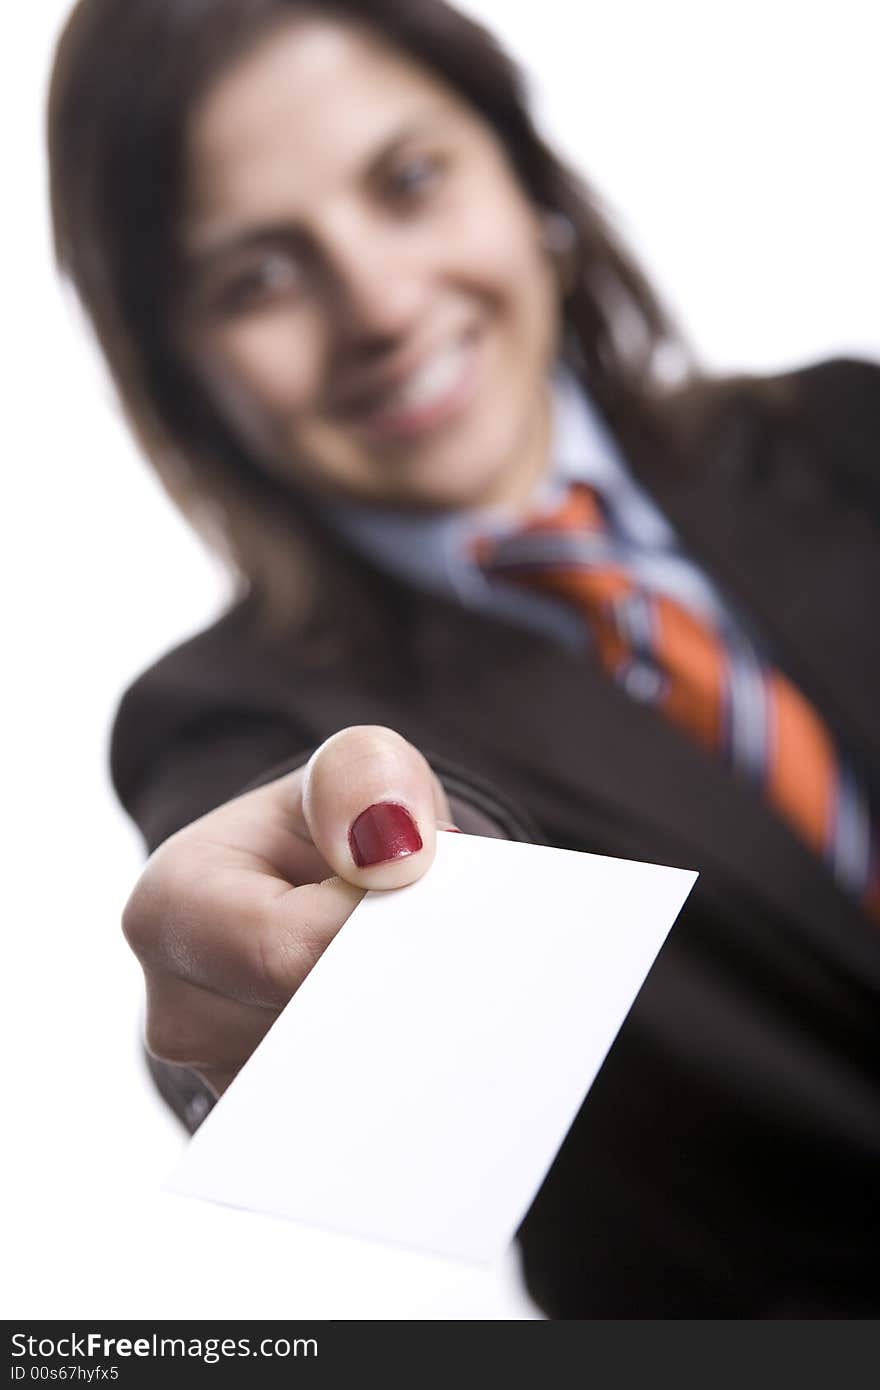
[{"x": 440, "y": 387}]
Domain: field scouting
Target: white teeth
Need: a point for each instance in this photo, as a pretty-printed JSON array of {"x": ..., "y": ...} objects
[{"x": 430, "y": 382}]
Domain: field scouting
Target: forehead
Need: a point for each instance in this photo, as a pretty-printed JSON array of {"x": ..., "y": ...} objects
[{"x": 299, "y": 112}]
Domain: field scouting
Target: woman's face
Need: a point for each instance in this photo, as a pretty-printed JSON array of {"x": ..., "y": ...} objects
[{"x": 367, "y": 297}]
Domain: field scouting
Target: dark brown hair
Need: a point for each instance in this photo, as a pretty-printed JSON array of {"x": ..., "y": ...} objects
[{"x": 125, "y": 78}]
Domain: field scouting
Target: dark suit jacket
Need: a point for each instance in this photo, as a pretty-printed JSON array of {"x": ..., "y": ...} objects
[{"x": 727, "y": 1159}]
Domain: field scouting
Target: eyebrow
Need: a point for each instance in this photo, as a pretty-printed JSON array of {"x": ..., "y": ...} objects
[{"x": 248, "y": 238}]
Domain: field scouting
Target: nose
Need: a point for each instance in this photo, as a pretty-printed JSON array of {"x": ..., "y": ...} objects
[{"x": 376, "y": 288}]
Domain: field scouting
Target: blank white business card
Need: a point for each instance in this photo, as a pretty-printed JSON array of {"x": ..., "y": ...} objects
[{"x": 422, "y": 1079}]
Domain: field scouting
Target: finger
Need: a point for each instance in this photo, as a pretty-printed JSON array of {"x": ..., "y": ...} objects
[
  {"x": 267, "y": 824},
  {"x": 216, "y": 1079},
  {"x": 191, "y": 1026},
  {"x": 371, "y": 804},
  {"x": 222, "y": 921}
]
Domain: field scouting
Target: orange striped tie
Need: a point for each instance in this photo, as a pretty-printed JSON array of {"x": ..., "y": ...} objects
[{"x": 717, "y": 691}]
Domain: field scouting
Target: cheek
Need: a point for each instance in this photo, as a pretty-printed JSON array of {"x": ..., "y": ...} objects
[
  {"x": 271, "y": 360},
  {"x": 501, "y": 249}
]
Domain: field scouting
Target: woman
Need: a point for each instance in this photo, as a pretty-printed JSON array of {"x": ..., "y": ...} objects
[{"x": 382, "y": 348}]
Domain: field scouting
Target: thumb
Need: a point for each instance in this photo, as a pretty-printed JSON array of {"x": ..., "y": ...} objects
[{"x": 371, "y": 804}]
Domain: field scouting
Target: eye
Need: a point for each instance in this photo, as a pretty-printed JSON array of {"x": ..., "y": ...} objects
[
  {"x": 411, "y": 179},
  {"x": 271, "y": 277}
]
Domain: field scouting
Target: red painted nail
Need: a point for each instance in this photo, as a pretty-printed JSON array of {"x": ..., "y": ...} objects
[{"x": 382, "y": 832}]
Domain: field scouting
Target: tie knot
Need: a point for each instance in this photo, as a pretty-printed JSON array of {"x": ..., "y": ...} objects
[{"x": 578, "y": 512}]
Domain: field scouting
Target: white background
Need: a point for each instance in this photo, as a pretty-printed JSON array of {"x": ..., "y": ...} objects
[{"x": 737, "y": 146}]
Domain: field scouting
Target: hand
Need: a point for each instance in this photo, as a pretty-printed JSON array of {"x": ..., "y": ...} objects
[{"x": 231, "y": 913}]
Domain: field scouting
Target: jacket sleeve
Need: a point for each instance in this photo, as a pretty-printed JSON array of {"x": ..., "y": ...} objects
[{"x": 165, "y": 780}]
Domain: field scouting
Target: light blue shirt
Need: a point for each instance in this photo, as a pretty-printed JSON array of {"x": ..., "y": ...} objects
[{"x": 431, "y": 550}]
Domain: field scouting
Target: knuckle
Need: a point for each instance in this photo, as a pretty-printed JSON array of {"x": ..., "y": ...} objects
[
  {"x": 138, "y": 920},
  {"x": 160, "y": 903}
]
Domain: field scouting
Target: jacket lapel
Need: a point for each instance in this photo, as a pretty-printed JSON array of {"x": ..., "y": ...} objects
[{"x": 759, "y": 505}]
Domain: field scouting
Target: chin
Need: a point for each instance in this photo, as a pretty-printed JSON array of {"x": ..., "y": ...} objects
[
  {"x": 481, "y": 467},
  {"x": 477, "y": 464},
  {"x": 450, "y": 487}
]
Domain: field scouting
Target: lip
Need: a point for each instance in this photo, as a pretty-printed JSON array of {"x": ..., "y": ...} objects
[{"x": 402, "y": 421}]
